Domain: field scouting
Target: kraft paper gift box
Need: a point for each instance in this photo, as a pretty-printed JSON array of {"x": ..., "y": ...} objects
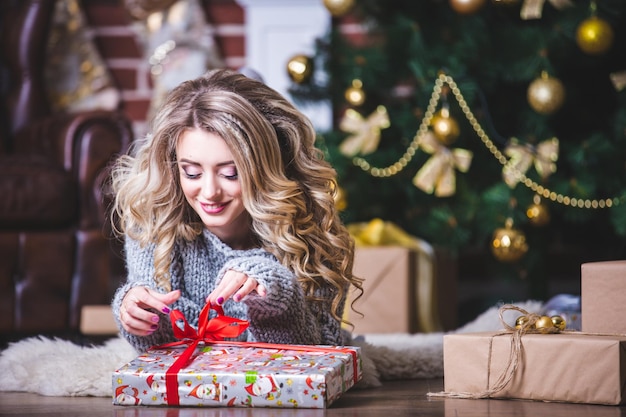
[
  {"x": 388, "y": 302},
  {"x": 227, "y": 374},
  {"x": 568, "y": 367},
  {"x": 603, "y": 297}
]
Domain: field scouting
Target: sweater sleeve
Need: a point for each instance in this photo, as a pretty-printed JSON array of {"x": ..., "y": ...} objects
[
  {"x": 140, "y": 272},
  {"x": 284, "y": 315}
]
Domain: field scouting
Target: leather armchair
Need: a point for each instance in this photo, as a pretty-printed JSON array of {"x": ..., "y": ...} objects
[{"x": 57, "y": 253}]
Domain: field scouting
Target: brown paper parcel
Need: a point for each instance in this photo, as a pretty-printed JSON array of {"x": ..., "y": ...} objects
[
  {"x": 388, "y": 302},
  {"x": 603, "y": 297},
  {"x": 569, "y": 367}
]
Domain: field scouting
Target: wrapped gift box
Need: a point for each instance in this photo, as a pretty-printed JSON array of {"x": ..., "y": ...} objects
[
  {"x": 603, "y": 297},
  {"x": 388, "y": 302},
  {"x": 405, "y": 290},
  {"x": 569, "y": 367},
  {"x": 239, "y": 375}
]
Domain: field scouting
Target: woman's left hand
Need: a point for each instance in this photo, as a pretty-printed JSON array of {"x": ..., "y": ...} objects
[{"x": 236, "y": 285}]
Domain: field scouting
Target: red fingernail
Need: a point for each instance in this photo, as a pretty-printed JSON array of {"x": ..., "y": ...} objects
[
  {"x": 154, "y": 327},
  {"x": 220, "y": 300},
  {"x": 237, "y": 297},
  {"x": 155, "y": 319},
  {"x": 166, "y": 310}
]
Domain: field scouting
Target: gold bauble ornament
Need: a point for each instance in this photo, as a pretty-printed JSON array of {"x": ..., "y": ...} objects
[
  {"x": 355, "y": 94},
  {"x": 544, "y": 324},
  {"x": 594, "y": 36},
  {"x": 445, "y": 128},
  {"x": 546, "y": 94},
  {"x": 558, "y": 322},
  {"x": 508, "y": 244},
  {"x": 300, "y": 68},
  {"x": 538, "y": 213},
  {"x": 341, "y": 203},
  {"x": 338, "y": 8},
  {"x": 521, "y": 321},
  {"x": 467, "y": 6}
]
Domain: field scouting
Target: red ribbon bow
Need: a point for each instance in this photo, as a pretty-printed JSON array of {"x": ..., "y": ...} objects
[{"x": 209, "y": 330}]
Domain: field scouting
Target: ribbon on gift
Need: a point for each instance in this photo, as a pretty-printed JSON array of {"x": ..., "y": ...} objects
[
  {"x": 209, "y": 330},
  {"x": 214, "y": 331}
]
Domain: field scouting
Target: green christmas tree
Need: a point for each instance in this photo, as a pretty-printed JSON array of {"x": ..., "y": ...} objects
[{"x": 420, "y": 59}]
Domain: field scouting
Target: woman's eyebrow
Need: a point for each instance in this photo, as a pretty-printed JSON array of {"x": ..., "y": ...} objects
[{"x": 189, "y": 161}]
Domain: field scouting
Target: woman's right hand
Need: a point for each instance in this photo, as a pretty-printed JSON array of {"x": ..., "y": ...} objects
[{"x": 135, "y": 315}]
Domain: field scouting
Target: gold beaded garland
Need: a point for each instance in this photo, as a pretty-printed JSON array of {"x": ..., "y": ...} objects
[{"x": 413, "y": 148}]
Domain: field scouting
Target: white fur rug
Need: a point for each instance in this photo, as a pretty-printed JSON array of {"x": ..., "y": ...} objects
[{"x": 36, "y": 364}]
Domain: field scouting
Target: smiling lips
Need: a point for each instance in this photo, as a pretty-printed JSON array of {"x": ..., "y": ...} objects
[{"x": 213, "y": 208}]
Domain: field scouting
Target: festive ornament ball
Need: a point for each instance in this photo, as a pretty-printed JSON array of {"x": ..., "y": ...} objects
[
  {"x": 341, "y": 203},
  {"x": 338, "y": 8},
  {"x": 521, "y": 322},
  {"x": 467, "y": 6},
  {"x": 544, "y": 324},
  {"x": 546, "y": 94},
  {"x": 355, "y": 94},
  {"x": 594, "y": 36},
  {"x": 558, "y": 322},
  {"x": 300, "y": 68},
  {"x": 538, "y": 214},
  {"x": 508, "y": 244},
  {"x": 445, "y": 128}
]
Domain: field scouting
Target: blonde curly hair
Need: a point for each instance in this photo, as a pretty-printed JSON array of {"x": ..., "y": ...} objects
[{"x": 288, "y": 188}]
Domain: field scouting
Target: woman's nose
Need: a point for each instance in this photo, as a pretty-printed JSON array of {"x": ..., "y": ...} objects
[{"x": 210, "y": 188}]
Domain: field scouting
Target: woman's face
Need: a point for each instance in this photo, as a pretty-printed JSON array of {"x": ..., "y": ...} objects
[{"x": 210, "y": 182}]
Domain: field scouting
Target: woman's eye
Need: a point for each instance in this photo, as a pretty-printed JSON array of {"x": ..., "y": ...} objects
[
  {"x": 190, "y": 175},
  {"x": 230, "y": 174}
]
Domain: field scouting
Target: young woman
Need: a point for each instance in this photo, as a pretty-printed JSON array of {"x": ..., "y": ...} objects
[{"x": 228, "y": 202}]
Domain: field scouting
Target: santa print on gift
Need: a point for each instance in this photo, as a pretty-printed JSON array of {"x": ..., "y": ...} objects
[
  {"x": 211, "y": 391},
  {"x": 123, "y": 398},
  {"x": 156, "y": 385},
  {"x": 264, "y": 386}
]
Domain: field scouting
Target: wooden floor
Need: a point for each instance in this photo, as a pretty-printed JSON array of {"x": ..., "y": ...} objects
[{"x": 393, "y": 399}]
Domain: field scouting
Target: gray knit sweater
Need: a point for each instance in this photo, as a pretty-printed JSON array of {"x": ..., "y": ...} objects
[{"x": 282, "y": 316}]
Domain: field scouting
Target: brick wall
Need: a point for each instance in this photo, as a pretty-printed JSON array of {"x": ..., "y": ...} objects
[{"x": 123, "y": 55}]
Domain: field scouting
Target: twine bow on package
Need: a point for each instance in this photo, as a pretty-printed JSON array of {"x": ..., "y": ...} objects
[{"x": 203, "y": 370}]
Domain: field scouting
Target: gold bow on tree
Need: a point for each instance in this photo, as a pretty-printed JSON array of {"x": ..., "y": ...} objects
[
  {"x": 533, "y": 9},
  {"x": 366, "y": 131},
  {"x": 437, "y": 174},
  {"x": 522, "y": 156}
]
